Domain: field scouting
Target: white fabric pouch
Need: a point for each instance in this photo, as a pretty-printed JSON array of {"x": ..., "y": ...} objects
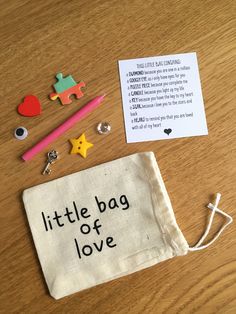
[{"x": 102, "y": 223}]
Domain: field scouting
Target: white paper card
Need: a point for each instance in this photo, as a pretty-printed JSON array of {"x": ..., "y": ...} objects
[{"x": 162, "y": 98}]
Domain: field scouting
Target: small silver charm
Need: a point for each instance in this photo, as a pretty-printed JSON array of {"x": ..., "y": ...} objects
[
  {"x": 52, "y": 157},
  {"x": 103, "y": 127}
]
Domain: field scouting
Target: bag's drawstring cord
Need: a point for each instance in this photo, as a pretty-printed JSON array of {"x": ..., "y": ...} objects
[{"x": 214, "y": 209}]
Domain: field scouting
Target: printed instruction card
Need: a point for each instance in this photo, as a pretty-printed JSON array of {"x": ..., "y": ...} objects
[{"x": 162, "y": 98}]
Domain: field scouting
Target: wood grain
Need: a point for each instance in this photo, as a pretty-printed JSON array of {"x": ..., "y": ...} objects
[{"x": 85, "y": 39}]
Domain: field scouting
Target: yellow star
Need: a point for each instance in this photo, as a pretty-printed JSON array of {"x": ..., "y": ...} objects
[{"x": 80, "y": 145}]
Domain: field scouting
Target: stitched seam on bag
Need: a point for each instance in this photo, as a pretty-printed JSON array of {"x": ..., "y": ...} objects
[{"x": 162, "y": 199}]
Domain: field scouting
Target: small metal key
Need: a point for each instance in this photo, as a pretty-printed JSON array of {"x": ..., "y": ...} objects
[{"x": 52, "y": 157}]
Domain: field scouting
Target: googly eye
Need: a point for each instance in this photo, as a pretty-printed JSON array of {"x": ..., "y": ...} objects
[{"x": 21, "y": 133}]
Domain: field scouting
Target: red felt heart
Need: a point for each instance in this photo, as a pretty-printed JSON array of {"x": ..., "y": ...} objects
[{"x": 30, "y": 106}]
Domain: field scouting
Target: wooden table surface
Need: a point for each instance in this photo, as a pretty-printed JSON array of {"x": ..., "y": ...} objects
[{"x": 86, "y": 39}]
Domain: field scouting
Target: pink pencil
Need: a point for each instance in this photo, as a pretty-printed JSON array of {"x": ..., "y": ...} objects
[{"x": 63, "y": 128}]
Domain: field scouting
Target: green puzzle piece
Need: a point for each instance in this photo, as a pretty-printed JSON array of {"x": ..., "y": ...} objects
[{"x": 63, "y": 83}]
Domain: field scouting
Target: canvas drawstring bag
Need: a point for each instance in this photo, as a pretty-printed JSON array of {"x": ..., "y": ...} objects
[{"x": 105, "y": 222}]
